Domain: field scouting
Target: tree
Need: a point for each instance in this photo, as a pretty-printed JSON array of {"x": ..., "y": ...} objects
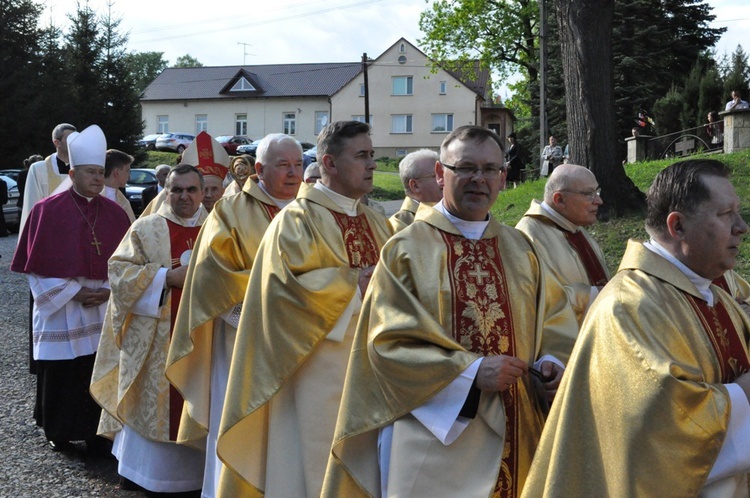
[
  {"x": 738, "y": 74},
  {"x": 19, "y": 49},
  {"x": 585, "y": 29},
  {"x": 144, "y": 67},
  {"x": 84, "y": 64},
  {"x": 187, "y": 60}
]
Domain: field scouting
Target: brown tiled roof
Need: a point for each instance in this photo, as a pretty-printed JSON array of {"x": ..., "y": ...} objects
[{"x": 272, "y": 80}]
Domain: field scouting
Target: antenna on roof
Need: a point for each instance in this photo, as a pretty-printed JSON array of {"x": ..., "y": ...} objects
[{"x": 245, "y": 53}]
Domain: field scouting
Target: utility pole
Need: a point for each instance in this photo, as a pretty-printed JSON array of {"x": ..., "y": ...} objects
[
  {"x": 367, "y": 88},
  {"x": 542, "y": 76},
  {"x": 244, "y": 51}
]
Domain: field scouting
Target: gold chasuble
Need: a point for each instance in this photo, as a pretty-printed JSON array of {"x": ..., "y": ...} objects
[
  {"x": 436, "y": 303},
  {"x": 128, "y": 380},
  {"x": 404, "y": 216},
  {"x": 642, "y": 409},
  {"x": 216, "y": 282},
  {"x": 287, "y": 373},
  {"x": 569, "y": 252}
]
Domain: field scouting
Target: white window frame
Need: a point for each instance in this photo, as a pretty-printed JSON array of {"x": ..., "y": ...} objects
[
  {"x": 443, "y": 87},
  {"x": 408, "y": 82},
  {"x": 242, "y": 85},
  {"x": 401, "y": 152},
  {"x": 201, "y": 123},
  {"x": 361, "y": 89},
  {"x": 322, "y": 118},
  {"x": 446, "y": 124},
  {"x": 289, "y": 123},
  {"x": 240, "y": 124},
  {"x": 402, "y": 124},
  {"x": 162, "y": 124},
  {"x": 361, "y": 119}
]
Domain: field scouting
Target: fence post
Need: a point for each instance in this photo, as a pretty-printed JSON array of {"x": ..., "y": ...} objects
[{"x": 637, "y": 148}]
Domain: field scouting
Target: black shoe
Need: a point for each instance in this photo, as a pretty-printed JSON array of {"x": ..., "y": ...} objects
[
  {"x": 61, "y": 445},
  {"x": 99, "y": 447}
]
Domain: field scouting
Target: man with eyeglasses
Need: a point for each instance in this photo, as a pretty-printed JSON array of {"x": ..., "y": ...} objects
[
  {"x": 417, "y": 172},
  {"x": 655, "y": 401},
  {"x": 440, "y": 398},
  {"x": 556, "y": 227}
]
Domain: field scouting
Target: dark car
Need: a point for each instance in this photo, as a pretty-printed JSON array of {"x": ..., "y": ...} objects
[
  {"x": 306, "y": 146},
  {"x": 148, "y": 142},
  {"x": 232, "y": 142},
  {"x": 140, "y": 178},
  {"x": 249, "y": 148}
]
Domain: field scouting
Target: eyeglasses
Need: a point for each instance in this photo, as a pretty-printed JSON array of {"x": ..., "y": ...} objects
[
  {"x": 590, "y": 195},
  {"x": 470, "y": 170}
]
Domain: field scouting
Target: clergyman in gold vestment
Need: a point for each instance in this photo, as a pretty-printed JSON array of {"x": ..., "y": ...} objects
[
  {"x": 417, "y": 172},
  {"x": 203, "y": 340},
  {"x": 439, "y": 400},
  {"x": 296, "y": 326},
  {"x": 655, "y": 396},
  {"x": 556, "y": 226}
]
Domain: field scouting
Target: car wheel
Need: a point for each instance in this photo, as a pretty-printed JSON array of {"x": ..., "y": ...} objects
[{"x": 180, "y": 149}]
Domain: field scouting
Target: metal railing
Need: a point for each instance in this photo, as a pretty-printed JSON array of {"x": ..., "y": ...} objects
[{"x": 685, "y": 142}]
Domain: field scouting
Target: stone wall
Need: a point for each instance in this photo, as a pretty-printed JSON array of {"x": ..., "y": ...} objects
[{"x": 736, "y": 130}]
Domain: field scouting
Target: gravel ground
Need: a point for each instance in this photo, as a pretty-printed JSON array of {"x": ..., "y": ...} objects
[{"x": 28, "y": 466}]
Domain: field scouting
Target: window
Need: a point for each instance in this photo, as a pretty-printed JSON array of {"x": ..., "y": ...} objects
[
  {"x": 401, "y": 123},
  {"x": 401, "y": 152},
  {"x": 361, "y": 119},
  {"x": 242, "y": 85},
  {"x": 443, "y": 87},
  {"x": 290, "y": 123},
  {"x": 201, "y": 123},
  {"x": 163, "y": 124},
  {"x": 321, "y": 120},
  {"x": 402, "y": 48},
  {"x": 361, "y": 89},
  {"x": 442, "y": 123},
  {"x": 403, "y": 85},
  {"x": 240, "y": 124}
]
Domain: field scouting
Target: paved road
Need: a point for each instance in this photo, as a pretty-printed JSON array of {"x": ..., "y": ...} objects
[{"x": 28, "y": 466}]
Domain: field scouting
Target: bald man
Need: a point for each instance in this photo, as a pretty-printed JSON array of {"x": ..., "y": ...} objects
[{"x": 556, "y": 227}]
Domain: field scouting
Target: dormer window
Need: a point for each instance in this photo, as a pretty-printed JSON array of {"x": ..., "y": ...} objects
[{"x": 242, "y": 85}]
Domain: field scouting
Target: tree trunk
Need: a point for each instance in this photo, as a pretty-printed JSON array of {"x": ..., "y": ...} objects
[{"x": 585, "y": 28}]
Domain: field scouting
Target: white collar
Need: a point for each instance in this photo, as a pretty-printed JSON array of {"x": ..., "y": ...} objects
[
  {"x": 348, "y": 205},
  {"x": 469, "y": 229},
  {"x": 282, "y": 203},
  {"x": 701, "y": 283}
]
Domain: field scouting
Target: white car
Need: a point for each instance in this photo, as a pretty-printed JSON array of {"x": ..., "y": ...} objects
[
  {"x": 10, "y": 209},
  {"x": 176, "y": 142}
]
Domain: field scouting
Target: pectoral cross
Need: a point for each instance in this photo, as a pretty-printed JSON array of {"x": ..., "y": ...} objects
[{"x": 96, "y": 243}]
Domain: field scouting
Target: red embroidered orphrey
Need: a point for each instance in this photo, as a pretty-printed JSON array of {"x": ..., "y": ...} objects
[
  {"x": 361, "y": 247},
  {"x": 723, "y": 336},
  {"x": 271, "y": 210},
  {"x": 594, "y": 269},
  {"x": 483, "y": 323},
  {"x": 181, "y": 239}
]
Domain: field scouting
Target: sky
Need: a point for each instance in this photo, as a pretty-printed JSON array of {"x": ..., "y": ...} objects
[{"x": 233, "y": 32}]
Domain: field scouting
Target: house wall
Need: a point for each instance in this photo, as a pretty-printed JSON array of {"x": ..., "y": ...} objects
[
  {"x": 425, "y": 101},
  {"x": 264, "y": 116}
]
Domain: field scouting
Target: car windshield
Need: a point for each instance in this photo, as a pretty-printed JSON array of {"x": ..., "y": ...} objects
[
  {"x": 139, "y": 177},
  {"x": 222, "y": 140}
]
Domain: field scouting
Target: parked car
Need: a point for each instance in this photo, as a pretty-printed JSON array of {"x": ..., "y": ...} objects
[
  {"x": 176, "y": 142},
  {"x": 140, "y": 178},
  {"x": 149, "y": 141},
  {"x": 232, "y": 142},
  {"x": 249, "y": 148},
  {"x": 10, "y": 209},
  {"x": 309, "y": 156},
  {"x": 306, "y": 146},
  {"x": 11, "y": 173}
]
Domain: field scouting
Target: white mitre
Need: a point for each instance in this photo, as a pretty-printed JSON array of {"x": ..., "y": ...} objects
[{"x": 87, "y": 147}]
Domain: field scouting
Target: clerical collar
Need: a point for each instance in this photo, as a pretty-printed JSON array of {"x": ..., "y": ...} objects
[
  {"x": 469, "y": 229},
  {"x": 349, "y": 206},
  {"x": 282, "y": 203},
  {"x": 701, "y": 283},
  {"x": 110, "y": 193},
  {"x": 189, "y": 222},
  {"x": 560, "y": 219},
  {"x": 89, "y": 199}
]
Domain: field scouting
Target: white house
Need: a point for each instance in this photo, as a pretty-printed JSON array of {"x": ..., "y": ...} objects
[{"x": 412, "y": 105}]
